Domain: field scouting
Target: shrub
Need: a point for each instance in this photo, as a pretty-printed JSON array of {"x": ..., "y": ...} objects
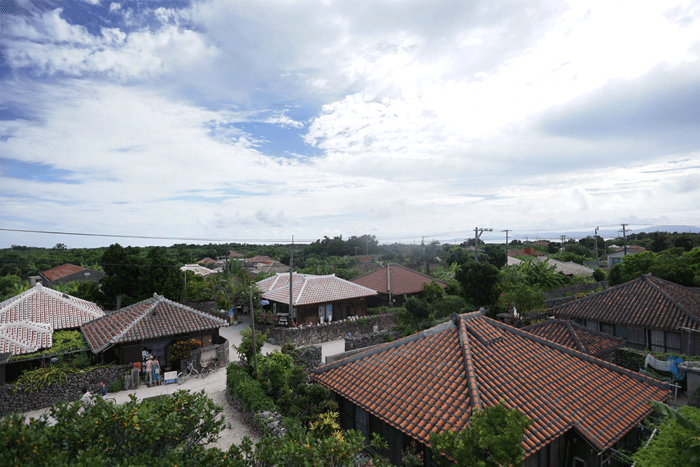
[
  {"x": 116, "y": 386},
  {"x": 248, "y": 389},
  {"x": 598, "y": 275},
  {"x": 245, "y": 349},
  {"x": 182, "y": 350},
  {"x": 448, "y": 305}
]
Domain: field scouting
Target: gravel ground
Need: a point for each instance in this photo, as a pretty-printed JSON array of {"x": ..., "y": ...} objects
[{"x": 215, "y": 387}]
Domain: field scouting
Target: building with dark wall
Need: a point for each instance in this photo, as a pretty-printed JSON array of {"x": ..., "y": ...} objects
[
  {"x": 580, "y": 407},
  {"x": 69, "y": 273},
  {"x": 648, "y": 313}
]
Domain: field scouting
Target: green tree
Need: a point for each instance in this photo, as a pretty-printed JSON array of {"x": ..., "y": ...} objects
[
  {"x": 494, "y": 438},
  {"x": 417, "y": 308},
  {"x": 432, "y": 291},
  {"x": 677, "y": 443},
  {"x": 159, "y": 274},
  {"x": 122, "y": 275},
  {"x": 478, "y": 281}
]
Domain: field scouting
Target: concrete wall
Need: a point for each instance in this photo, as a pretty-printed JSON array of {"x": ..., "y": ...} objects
[
  {"x": 68, "y": 391},
  {"x": 302, "y": 336}
]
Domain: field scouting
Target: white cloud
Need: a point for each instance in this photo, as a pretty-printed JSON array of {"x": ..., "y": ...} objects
[
  {"x": 52, "y": 45},
  {"x": 114, "y": 7}
]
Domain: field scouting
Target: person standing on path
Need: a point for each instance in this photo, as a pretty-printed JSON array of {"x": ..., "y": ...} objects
[
  {"x": 149, "y": 370},
  {"x": 156, "y": 372}
]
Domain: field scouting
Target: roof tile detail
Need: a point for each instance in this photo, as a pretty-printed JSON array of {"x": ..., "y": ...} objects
[
  {"x": 576, "y": 337},
  {"x": 556, "y": 387},
  {"x": 403, "y": 280},
  {"x": 151, "y": 318},
  {"x": 318, "y": 289},
  {"x": 647, "y": 302},
  {"x": 24, "y": 337}
]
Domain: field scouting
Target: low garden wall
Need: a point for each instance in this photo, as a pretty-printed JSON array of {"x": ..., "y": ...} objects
[
  {"x": 69, "y": 390},
  {"x": 366, "y": 340},
  {"x": 304, "y": 335}
]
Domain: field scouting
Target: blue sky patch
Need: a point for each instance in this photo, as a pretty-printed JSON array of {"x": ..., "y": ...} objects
[{"x": 34, "y": 171}]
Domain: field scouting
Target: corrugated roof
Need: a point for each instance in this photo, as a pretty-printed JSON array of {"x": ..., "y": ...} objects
[
  {"x": 149, "y": 319},
  {"x": 575, "y": 336},
  {"x": 647, "y": 302},
  {"x": 403, "y": 280},
  {"x": 61, "y": 271},
  {"x": 318, "y": 289},
  {"x": 433, "y": 381}
]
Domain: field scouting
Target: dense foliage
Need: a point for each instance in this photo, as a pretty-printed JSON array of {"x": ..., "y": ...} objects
[
  {"x": 677, "y": 442},
  {"x": 494, "y": 438},
  {"x": 674, "y": 265}
]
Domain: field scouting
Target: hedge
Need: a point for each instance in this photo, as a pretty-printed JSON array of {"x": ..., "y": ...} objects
[{"x": 248, "y": 389}]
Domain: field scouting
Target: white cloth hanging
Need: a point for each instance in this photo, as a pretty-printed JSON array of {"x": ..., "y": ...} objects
[{"x": 658, "y": 364}]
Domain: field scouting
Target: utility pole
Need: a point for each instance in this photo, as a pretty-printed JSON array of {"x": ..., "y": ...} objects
[
  {"x": 506, "y": 231},
  {"x": 595, "y": 236},
  {"x": 477, "y": 234},
  {"x": 291, "y": 273},
  {"x": 252, "y": 315},
  {"x": 356, "y": 251},
  {"x": 624, "y": 238}
]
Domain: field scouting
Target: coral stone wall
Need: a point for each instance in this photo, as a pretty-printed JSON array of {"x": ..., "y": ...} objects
[
  {"x": 70, "y": 390},
  {"x": 304, "y": 335}
]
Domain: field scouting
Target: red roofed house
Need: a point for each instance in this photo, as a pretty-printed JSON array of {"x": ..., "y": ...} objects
[
  {"x": 647, "y": 312},
  {"x": 318, "y": 298},
  {"x": 260, "y": 259},
  {"x": 151, "y": 326},
  {"x": 394, "y": 280},
  {"x": 234, "y": 254},
  {"x": 577, "y": 337},
  {"x": 430, "y": 382},
  {"x": 68, "y": 273},
  {"x": 28, "y": 320},
  {"x": 206, "y": 261}
]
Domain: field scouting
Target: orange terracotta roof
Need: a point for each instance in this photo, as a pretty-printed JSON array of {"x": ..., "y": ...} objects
[
  {"x": 647, "y": 302},
  {"x": 403, "y": 280},
  {"x": 206, "y": 261},
  {"x": 149, "y": 319},
  {"x": 260, "y": 259},
  {"x": 318, "y": 289},
  {"x": 432, "y": 382},
  {"x": 61, "y": 271},
  {"x": 234, "y": 254},
  {"x": 575, "y": 336}
]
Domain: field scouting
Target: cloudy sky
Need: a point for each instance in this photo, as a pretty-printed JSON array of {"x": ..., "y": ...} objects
[{"x": 252, "y": 121}]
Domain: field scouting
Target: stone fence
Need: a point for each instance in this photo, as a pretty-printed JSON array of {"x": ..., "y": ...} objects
[
  {"x": 304, "y": 335},
  {"x": 67, "y": 391},
  {"x": 574, "y": 289},
  {"x": 309, "y": 356},
  {"x": 366, "y": 340}
]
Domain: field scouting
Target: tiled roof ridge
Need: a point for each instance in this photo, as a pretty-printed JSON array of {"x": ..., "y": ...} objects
[
  {"x": 667, "y": 296},
  {"x": 340, "y": 279},
  {"x": 472, "y": 383},
  {"x": 76, "y": 302},
  {"x": 38, "y": 327},
  {"x": 161, "y": 298},
  {"x": 301, "y": 291},
  {"x": 10, "y": 300},
  {"x": 576, "y": 353},
  {"x": 138, "y": 319},
  {"x": 384, "y": 347},
  {"x": 573, "y": 333}
]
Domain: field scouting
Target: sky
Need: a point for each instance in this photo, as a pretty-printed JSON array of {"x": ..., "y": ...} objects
[{"x": 258, "y": 121}]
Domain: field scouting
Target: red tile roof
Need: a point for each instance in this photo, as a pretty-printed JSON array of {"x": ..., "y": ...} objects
[
  {"x": 432, "y": 381},
  {"x": 61, "y": 271},
  {"x": 234, "y": 254},
  {"x": 40, "y": 307},
  {"x": 260, "y": 259},
  {"x": 647, "y": 302},
  {"x": 575, "y": 336},
  {"x": 206, "y": 261},
  {"x": 403, "y": 280},
  {"x": 279, "y": 280},
  {"x": 25, "y": 337},
  {"x": 318, "y": 289},
  {"x": 152, "y": 318}
]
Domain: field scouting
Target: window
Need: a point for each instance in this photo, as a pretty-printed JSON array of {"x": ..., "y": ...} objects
[
  {"x": 621, "y": 331},
  {"x": 607, "y": 328}
]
